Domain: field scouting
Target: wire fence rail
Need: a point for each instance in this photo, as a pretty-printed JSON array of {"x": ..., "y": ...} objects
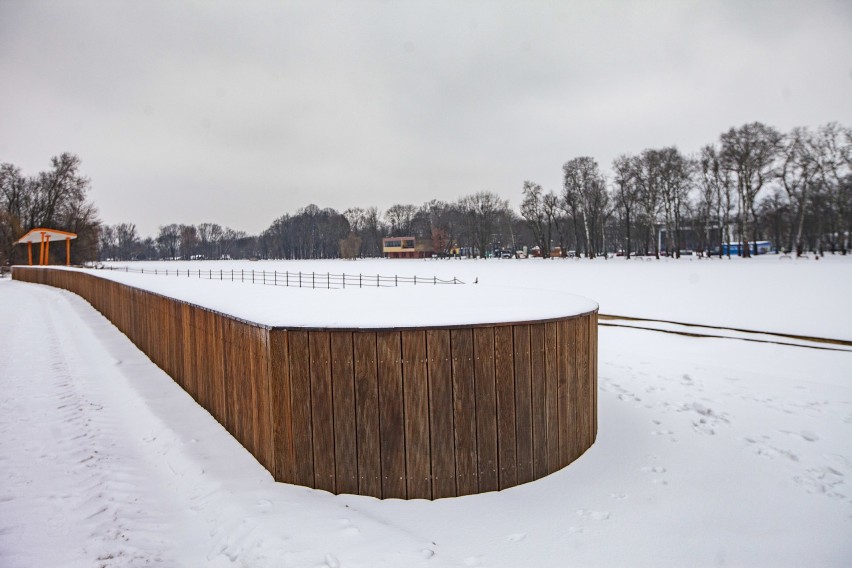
[{"x": 326, "y": 280}]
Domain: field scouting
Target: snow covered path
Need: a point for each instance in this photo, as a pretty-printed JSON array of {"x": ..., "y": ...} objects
[
  {"x": 710, "y": 452},
  {"x": 105, "y": 461}
]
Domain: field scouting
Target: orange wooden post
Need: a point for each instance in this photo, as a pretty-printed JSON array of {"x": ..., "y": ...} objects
[
  {"x": 41, "y": 250},
  {"x": 67, "y": 251},
  {"x": 47, "y": 250},
  {"x": 30, "y": 252}
]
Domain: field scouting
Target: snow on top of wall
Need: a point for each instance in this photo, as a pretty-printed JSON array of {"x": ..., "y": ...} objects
[{"x": 404, "y": 306}]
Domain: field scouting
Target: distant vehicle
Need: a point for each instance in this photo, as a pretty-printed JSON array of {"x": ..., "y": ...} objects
[{"x": 507, "y": 254}]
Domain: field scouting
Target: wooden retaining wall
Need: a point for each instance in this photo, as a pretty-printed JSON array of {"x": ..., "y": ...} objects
[{"x": 401, "y": 413}]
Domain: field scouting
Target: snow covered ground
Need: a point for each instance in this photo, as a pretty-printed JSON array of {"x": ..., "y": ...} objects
[
  {"x": 769, "y": 293},
  {"x": 711, "y": 451}
]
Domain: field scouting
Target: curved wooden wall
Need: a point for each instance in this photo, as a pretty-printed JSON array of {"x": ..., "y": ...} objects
[{"x": 403, "y": 413}]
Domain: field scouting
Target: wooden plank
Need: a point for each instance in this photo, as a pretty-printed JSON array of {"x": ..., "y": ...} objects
[
  {"x": 564, "y": 364},
  {"x": 523, "y": 403},
  {"x": 486, "y": 409},
  {"x": 465, "y": 411},
  {"x": 279, "y": 371},
  {"x": 300, "y": 403},
  {"x": 594, "y": 384},
  {"x": 551, "y": 349},
  {"x": 322, "y": 410},
  {"x": 415, "y": 388},
  {"x": 391, "y": 415},
  {"x": 538, "y": 380},
  {"x": 343, "y": 394},
  {"x": 441, "y": 414},
  {"x": 504, "y": 373},
  {"x": 367, "y": 415},
  {"x": 580, "y": 393},
  {"x": 218, "y": 377},
  {"x": 265, "y": 435}
]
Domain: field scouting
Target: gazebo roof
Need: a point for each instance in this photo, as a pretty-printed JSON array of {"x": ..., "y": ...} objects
[{"x": 35, "y": 235}]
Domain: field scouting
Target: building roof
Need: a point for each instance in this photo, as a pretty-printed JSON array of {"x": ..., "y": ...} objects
[{"x": 35, "y": 235}]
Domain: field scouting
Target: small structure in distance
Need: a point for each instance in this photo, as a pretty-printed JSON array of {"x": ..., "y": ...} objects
[
  {"x": 43, "y": 237},
  {"x": 406, "y": 247}
]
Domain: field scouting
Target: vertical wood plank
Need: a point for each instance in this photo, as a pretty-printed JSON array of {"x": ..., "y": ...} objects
[
  {"x": 486, "y": 409},
  {"x": 367, "y": 414},
  {"x": 564, "y": 363},
  {"x": 580, "y": 391},
  {"x": 416, "y": 402},
  {"x": 538, "y": 381},
  {"x": 263, "y": 403},
  {"x": 523, "y": 403},
  {"x": 343, "y": 390},
  {"x": 302, "y": 424},
  {"x": 441, "y": 414},
  {"x": 322, "y": 411},
  {"x": 465, "y": 411},
  {"x": 391, "y": 414},
  {"x": 281, "y": 413},
  {"x": 504, "y": 372},
  {"x": 551, "y": 349}
]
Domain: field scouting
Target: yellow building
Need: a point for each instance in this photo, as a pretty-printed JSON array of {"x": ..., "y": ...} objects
[{"x": 406, "y": 247}]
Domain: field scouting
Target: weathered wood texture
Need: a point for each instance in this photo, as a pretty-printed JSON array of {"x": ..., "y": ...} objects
[{"x": 410, "y": 414}]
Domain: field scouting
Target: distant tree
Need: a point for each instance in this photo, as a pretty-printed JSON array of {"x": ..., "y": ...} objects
[
  {"x": 400, "y": 218},
  {"x": 538, "y": 211},
  {"x": 626, "y": 192},
  {"x": 483, "y": 213},
  {"x": 127, "y": 241},
  {"x": 749, "y": 153},
  {"x": 584, "y": 190},
  {"x": 168, "y": 241},
  {"x": 350, "y": 247},
  {"x": 188, "y": 241}
]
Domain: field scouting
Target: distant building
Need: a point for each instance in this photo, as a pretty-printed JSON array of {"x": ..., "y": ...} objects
[
  {"x": 406, "y": 247},
  {"x": 763, "y": 247}
]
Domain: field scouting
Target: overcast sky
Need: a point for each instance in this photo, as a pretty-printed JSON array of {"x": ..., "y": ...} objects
[{"x": 239, "y": 112}]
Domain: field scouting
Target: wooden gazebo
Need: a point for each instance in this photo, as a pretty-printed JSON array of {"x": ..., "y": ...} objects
[{"x": 43, "y": 237}]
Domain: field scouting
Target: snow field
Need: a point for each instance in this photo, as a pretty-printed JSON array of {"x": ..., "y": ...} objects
[{"x": 710, "y": 451}]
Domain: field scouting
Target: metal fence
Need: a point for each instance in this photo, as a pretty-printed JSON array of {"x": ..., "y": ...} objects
[{"x": 292, "y": 279}]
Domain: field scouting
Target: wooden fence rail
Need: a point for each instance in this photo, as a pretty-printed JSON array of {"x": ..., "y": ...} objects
[{"x": 403, "y": 413}]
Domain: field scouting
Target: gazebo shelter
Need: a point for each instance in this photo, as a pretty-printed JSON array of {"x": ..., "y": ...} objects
[{"x": 43, "y": 237}]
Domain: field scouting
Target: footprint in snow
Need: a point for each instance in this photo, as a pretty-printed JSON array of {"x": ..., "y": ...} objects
[
  {"x": 594, "y": 515},
  {"x": 517, "y": 537},
  {"x": 331, "y": 561}
]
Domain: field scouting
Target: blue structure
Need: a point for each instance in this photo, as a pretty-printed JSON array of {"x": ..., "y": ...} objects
[{"x": 763, "y": 247}]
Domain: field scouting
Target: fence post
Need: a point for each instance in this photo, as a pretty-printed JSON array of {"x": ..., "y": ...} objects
[
  {"x": 252, "y": 275},
  {"x": 396, "y": 279},
  {"x": 344, "y": 281},
  {"x": 300, "y": 279},
  {"x": 359, "y": 280},
  {"x": 415, "y": 280},
  {"x": 313, "y": 279},
  {"x": 435, "y": 280},
  {"x": 275, "y": 278},
  {"x": 242, "y": 275}
]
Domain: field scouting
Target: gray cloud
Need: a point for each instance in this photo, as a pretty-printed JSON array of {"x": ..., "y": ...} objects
[{"x": 238, "y": 113}]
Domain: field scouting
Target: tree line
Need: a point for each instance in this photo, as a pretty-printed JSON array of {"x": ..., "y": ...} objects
[{"x": 752, "y": 184}]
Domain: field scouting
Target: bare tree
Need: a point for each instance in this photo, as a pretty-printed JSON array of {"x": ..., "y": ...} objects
[
  {"x": 584, "y": 190},
  {"x": 749, "y": 153},
  {"x": 538, "y": 215},
  {"x": 483, "y": 213},
  {"x": 627, "y": 192}
]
